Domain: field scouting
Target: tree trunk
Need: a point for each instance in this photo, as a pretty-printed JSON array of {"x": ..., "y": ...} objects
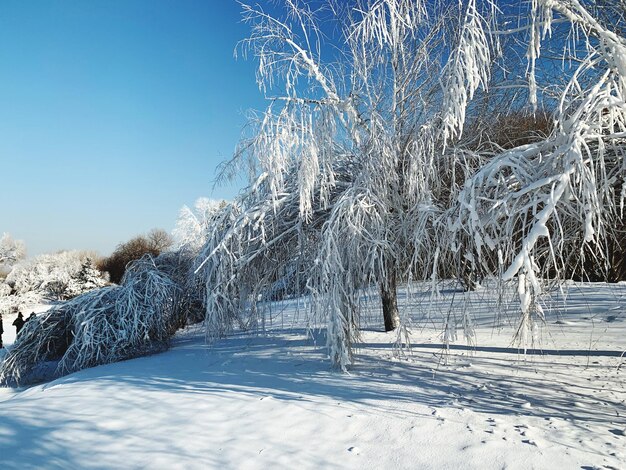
[{"x": 389, "y": 298}]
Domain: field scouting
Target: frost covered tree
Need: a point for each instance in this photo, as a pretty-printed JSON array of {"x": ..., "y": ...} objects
[
  {"x": 192, "y": 229},
  {"x": 154, "y": 243},
  {"x": 348, "y": 158},
  {"x": 536, "y": 204},
  {"x": 342, "y": 137},
  {"x": 373, "y": 163},
  {"x": 11, "y": 251},
  {"x": 193, "y": 224}
]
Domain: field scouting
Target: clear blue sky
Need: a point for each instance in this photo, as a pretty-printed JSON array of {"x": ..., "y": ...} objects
[{"x": 115, "y": 113}]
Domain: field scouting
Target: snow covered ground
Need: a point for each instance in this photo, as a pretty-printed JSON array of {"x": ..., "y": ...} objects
[{"x": 272, "y": 401}]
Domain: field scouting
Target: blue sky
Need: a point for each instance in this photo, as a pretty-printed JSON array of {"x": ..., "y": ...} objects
[{"x": 113, "y": 114}]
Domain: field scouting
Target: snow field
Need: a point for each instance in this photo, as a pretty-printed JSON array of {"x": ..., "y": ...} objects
[{"x": 273, "y": 401}]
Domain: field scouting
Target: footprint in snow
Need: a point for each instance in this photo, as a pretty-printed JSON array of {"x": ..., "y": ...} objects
[{"x": 522, "y": 429}]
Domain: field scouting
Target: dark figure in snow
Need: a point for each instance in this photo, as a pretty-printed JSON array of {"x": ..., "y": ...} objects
[
  {"x": 18, "y": 323},
  {"x": 32, "y": 316},
  {"x": 1, "y": 331}
]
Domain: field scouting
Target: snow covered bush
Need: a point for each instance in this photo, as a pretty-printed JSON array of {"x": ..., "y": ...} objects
[
  {"x": 88, "y": 278},
  {"x": 49, "y": 277},
  {"x": 101, "y": 326},
  {"x": 5, "y": 290},
  {"x": 57, "y": 276}
]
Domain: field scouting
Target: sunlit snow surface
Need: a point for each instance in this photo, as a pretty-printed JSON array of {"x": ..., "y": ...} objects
[{"x": 273, "y": 401}]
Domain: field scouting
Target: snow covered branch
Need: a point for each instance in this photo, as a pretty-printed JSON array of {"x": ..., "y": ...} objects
[{"x": 101, "y": 326}]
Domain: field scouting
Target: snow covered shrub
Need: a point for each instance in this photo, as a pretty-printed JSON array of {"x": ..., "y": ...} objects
[
  {"x": 7, "y": 302},
  {"x": 5, "y": 290},
  {"x": 11, "y": 303},
  {"x": 57, "y": 276},
  {"x": 101, "y": 326},
  {"x": 41, "y": 341},
  {"x": 88, "y": 278}
]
